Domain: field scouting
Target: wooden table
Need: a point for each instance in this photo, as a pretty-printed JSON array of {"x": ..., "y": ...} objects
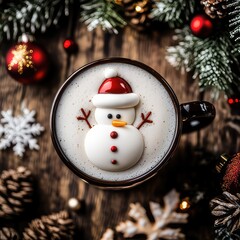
[{"x": 56, "y": 183}]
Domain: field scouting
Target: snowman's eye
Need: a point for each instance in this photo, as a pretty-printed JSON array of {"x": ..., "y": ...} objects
[
  {"x": 118, "y": 116},
  {"x": 109, "y": 116}
]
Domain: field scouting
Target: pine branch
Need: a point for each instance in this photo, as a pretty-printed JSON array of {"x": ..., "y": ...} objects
[
  {"x": 102, "y": 13},
  {"x": 210, "y": 59},
  {"x": 31, "y": 16},
  {"x": 233, "y": 7},
  {"x": 212, "y": 64},
  {"x": 181, "y": 55},
  {"x": 175, "y": 13}
]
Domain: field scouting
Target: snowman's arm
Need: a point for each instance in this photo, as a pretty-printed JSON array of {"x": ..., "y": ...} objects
[
  {"x": 144, "y": 119},
  {"x": 85, "y": 117}
]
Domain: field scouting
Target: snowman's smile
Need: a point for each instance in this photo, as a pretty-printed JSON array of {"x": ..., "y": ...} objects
[{"x": 118, "y": 123}]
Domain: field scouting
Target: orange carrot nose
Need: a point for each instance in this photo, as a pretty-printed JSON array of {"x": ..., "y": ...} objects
[{"x": 118, "y": 123}]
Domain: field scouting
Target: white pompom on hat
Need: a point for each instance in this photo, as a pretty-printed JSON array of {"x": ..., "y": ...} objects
[{"x": 115, "y": 92}]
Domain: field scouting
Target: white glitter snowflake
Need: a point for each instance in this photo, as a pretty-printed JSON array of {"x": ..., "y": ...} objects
[{"x": 19, "y": 131}]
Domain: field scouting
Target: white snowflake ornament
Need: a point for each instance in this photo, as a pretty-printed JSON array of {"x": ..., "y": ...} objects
[
  {"x": 163, "y": 216},
  {"x": 19, "y": 131}
]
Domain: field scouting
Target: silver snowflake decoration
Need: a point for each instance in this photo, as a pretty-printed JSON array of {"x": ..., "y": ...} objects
[{"x": 19, "y": 131}]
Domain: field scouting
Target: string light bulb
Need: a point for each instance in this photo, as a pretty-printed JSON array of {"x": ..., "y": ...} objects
[
  {"x": 74, "y": 204},
  {"x": 139, "y": 7},
  {"x": 185, "y": 204},
  {"x": 233, "y": 100}
]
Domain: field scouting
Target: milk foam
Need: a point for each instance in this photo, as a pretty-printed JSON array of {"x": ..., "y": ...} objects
[{"x": 158, "y": 136}]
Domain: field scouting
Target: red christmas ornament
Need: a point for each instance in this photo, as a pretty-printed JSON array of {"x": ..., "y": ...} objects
[
  {"x": 231, "y": 179},
  {"x": 70, "y": 46},
  {"x": 229, "y": 168},
  {"x": 27, "y": 62},
  {"x": 233, "y": 100},
  {"x": 201, "y": 26}
]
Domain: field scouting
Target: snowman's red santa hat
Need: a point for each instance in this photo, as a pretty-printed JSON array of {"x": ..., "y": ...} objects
[{"x": 115, "y": 92}]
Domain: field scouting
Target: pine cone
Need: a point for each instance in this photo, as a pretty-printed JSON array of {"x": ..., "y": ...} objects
[
  {"x": 215, "y": 8},
  {"x": 227, "y": 211},
  {"x": 57, "y": 226},
  {"x": 8, "y": 234},
  {"x": 16, "y": 191},
  {"x": 137, "y": 12}
]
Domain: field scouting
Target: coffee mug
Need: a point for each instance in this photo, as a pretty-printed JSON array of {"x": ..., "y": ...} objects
[{"x": 115, "y": 122}]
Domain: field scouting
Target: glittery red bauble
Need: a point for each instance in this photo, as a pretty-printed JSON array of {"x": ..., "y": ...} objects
[
  {"x": 201, "y": 26},
  {"x": 231, "y": 179},
  {"x": 27, "y": 62}
]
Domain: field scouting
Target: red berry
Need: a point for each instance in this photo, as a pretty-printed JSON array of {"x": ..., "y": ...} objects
[{"x": 201, "y": 26}]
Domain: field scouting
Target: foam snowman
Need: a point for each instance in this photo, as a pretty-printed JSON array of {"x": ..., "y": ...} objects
[{"x": 114, "y": 144}]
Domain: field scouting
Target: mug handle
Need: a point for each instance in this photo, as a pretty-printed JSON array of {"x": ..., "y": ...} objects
[{"x": 196, "y": 115}]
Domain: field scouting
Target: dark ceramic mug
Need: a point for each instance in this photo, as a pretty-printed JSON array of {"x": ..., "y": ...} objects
[{"x": 115, "y": 122}]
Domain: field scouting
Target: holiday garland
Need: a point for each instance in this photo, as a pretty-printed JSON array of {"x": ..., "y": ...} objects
[
  {"x": 174, "y": 13},
  {"x": 213, "y": 58},
  {"x": 101, "y": 13},
  {"x": 209, "y": 59},
  {"x": 24, "y": 16}
]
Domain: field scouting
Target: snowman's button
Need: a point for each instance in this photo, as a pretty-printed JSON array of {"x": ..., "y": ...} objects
[
  {"x": 114, "y": 148},
  {"x": 114, "y": 161},
  {"x": 113, "y": 134}
]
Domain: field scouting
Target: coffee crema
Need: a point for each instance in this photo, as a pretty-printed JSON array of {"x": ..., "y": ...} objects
[{"x": 158, "y": 136}]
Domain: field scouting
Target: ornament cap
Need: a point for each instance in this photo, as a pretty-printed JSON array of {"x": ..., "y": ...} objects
[{"x": 224, "y": 158}]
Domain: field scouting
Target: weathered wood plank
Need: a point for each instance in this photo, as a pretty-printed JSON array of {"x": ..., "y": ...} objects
[{"x": 56, "y": 183}]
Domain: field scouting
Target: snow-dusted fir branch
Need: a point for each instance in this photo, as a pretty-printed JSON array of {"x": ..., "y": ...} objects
[
  {"x": 181, "y": 55},
  {"x": 19, "y": 131},
  {"x": 175, "y": 13},
  {"x": 210, "y": 59},
  {"x": 233, "y": 7},
  {"x": 102, "y": 13},
  {"x": 212, "y": 64},
  {"x": 31, "y": 16}
]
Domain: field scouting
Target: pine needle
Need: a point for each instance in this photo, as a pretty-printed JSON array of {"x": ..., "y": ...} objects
[
  {"x": 28, "y": 16},
  {"x": 175, "y": 13},
  {"x": 102, "y": 13},
  {"x": 209, "y": 59},
  {"x": 233, "y": 7}
]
